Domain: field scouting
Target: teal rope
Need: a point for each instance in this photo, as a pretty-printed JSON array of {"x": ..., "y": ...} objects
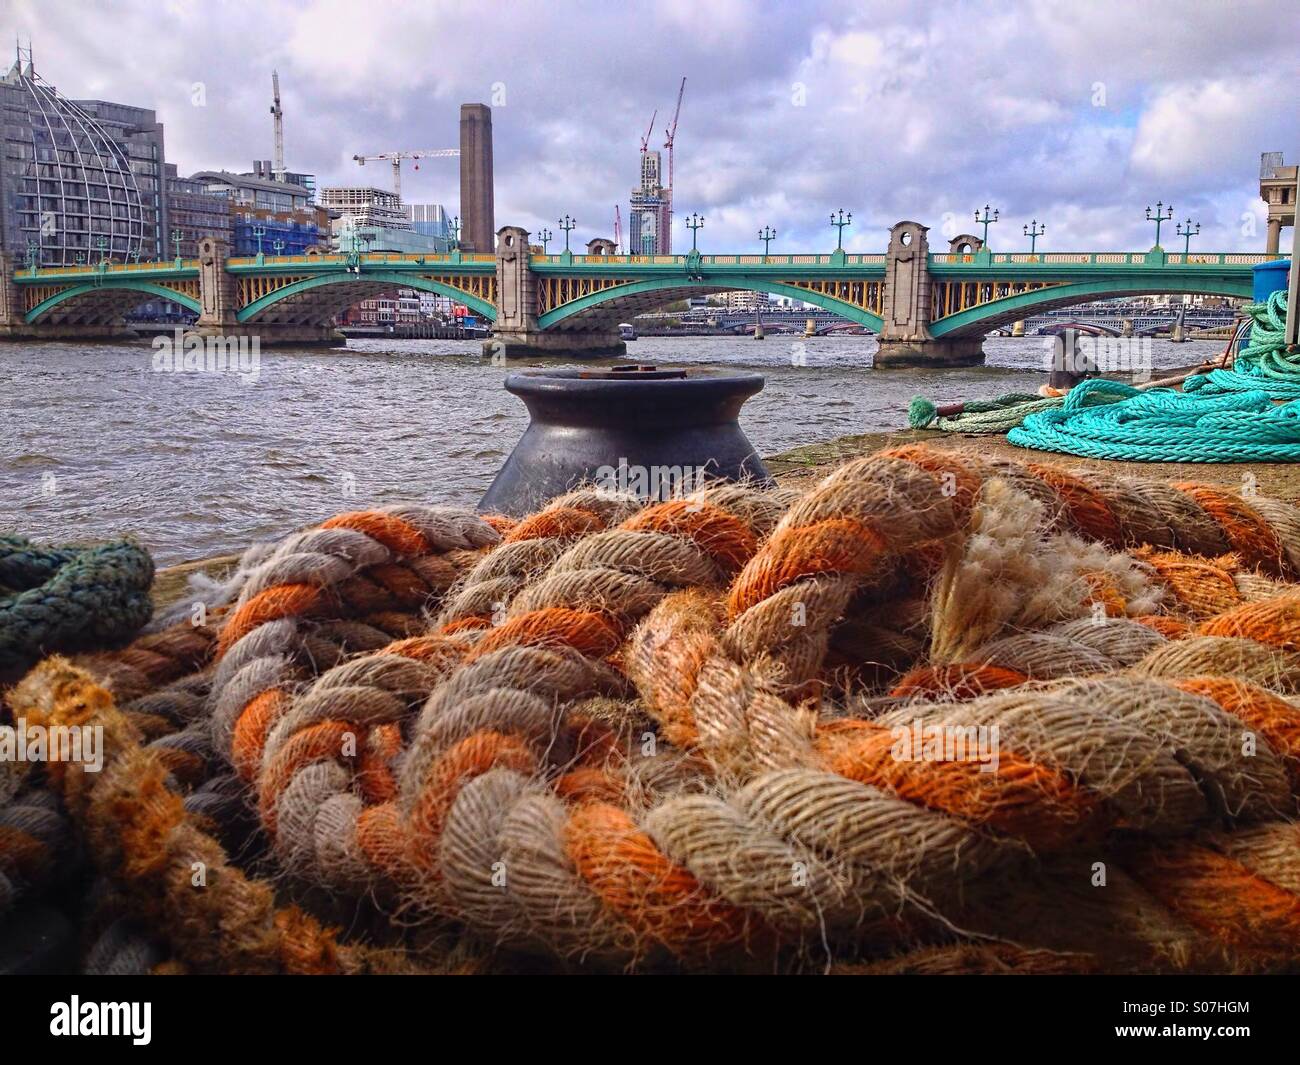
[
  {"x": 1264, "y": 364},
  {"x": 1224, "y": 416},
  {"x": 66, "y": 598}
]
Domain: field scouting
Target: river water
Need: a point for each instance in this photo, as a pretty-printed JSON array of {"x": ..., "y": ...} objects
[{"x": 95, "y": 443}]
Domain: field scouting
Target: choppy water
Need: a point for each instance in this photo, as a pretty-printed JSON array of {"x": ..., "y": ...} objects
[{"x": 93, "y": 443}]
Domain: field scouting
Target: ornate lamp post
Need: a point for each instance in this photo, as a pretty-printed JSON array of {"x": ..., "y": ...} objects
[
  {"x": 568, "y": 225},
  {"x": 1033, "y": 231},
  {"x": 984, "y": 240},
  {"x": 545, "y": 236},
  {"x": 695, "y": 223},
  {"x": 1187, "y": 234},
  {"x": 839, "y": 227},
  {"x": 767, "y": 234},
  {"x": 102, "y": 244},
  {"x": 33, "y": 255},
  {"x": 1163, "y": 214},
  {"x": 278, "y": 246},
  {"x": 259, "y": 232},
  {"x": 454, "y": 226},
  {"x": 177, "y": 237}
]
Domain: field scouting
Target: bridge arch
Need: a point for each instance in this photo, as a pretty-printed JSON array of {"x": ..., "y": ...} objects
[
  {"x": 976, "y": 321},
  {"x": 615, "y": 302},
  {"x": 96, "y": 304},
  {"x": 315, "y": 300}
]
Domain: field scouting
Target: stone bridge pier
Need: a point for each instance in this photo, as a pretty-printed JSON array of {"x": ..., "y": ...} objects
[
  {"x": 516, "y": 333},
  {"x": 219, "y": 307},
  {"x": 905, "y": 338}
]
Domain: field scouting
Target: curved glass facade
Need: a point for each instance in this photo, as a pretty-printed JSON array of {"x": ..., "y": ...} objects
[{"x": 80, "y": 180}]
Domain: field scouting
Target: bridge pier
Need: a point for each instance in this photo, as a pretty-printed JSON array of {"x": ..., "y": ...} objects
[
  {"x": 516, "y": 334},
  {"x": 905, "y": 337},
  {"x": 219, "y": 308},
  {"x": 931, "y": 351}
]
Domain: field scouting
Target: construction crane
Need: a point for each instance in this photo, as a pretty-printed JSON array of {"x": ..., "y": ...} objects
[
  {"x": 645, "y": 141},
  {"x": 671, "y": 133},
  {"x": 396, "y": 159},
  {"x": 618, "y": 231},
  {"x": 277, "y": 116}
]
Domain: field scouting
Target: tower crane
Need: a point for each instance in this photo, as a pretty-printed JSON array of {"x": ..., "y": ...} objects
[
  {"x": 277, "y": 118},
  {"x": 396, "y": 159},
  {"x": 645, "y": 141},
  {"x": 671, "y": 133}
]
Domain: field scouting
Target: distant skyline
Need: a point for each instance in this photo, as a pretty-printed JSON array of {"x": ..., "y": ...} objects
[{"x": 1077, "y": 115}]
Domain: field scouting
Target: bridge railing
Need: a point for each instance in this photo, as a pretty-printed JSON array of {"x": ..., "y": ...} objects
[
  {"x": 91, "y": 269},
  {"x": 709, "y": 260},
  {"x": 374, "y": 258},
  {"x": 1099, "y": 258}
]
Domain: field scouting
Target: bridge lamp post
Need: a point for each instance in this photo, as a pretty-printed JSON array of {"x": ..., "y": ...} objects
[
  {"x": 1033, "y": 231},
  {"x": 1163, "y": 214},
  {"x": 278, "y": 246},
  {"x": 454, "y": 226},
  {"x": 545, "y": 236},
  {"x": 102, "y": 244},
  {"x": 767, "y": 234},
  {"x": 33, "y": 253},
  {"x": 984, "y": 240},
  {"x": 568, "y": 225},
  {"x": 695, "y": 223},
  {"x": 177, "y": 237},
  {"x": 1187, "y": 234},
  {"x": 259, "y": 232},
  {"x": 844, "y": 220}
]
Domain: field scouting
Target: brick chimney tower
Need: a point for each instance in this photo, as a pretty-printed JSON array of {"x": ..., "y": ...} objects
[{"x": 477, "y": 213}]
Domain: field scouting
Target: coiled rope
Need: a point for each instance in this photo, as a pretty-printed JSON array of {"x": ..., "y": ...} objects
[
  {"x": 1223, "y": 416},
  {"x": 58, "y": 599},
  {"x": 643, "y": 754}
]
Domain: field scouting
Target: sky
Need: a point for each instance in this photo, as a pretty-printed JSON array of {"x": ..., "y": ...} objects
[{"x": 1075, "y": 113}]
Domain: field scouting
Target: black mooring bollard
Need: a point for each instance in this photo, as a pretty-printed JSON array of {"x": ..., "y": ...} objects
[{"x": 652, "y": 432}]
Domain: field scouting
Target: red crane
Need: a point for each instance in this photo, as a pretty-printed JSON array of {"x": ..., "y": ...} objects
[
  {"x": 645, "y": 141},
  {"x": 671, "y": 132}
]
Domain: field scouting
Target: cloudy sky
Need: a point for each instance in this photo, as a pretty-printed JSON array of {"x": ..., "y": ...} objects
[{"x": 1078, "y": 113}]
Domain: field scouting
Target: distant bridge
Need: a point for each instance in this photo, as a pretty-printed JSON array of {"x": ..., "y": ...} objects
[{"x": 926, "y": 307}]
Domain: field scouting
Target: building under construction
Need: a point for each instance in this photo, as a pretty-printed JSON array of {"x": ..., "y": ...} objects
[
  {"x": 650, "y": 209},
  {"x": 649, "y": 231}
]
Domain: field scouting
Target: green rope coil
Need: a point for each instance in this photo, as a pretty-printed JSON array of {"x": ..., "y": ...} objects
[
  {"x": 992, "y": 415},
  {"x": 1223, "y": 416},
  {"x": 68, "y": 598}
]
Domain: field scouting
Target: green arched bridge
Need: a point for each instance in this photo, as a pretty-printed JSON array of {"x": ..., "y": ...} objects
[{"x": 925, "y": 306}]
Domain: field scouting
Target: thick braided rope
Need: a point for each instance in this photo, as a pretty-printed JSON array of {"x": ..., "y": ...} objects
[
  {"x": 614, "y": 854},
  {"x": 527, "y": 549},
  {"x": 1070, "y": 766},
  {"x": 271, "y": 640},
  {"x": 140, "y": 833},
  {"x": 548, "y": 649},
  {"x": 67, "y": 598}
]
